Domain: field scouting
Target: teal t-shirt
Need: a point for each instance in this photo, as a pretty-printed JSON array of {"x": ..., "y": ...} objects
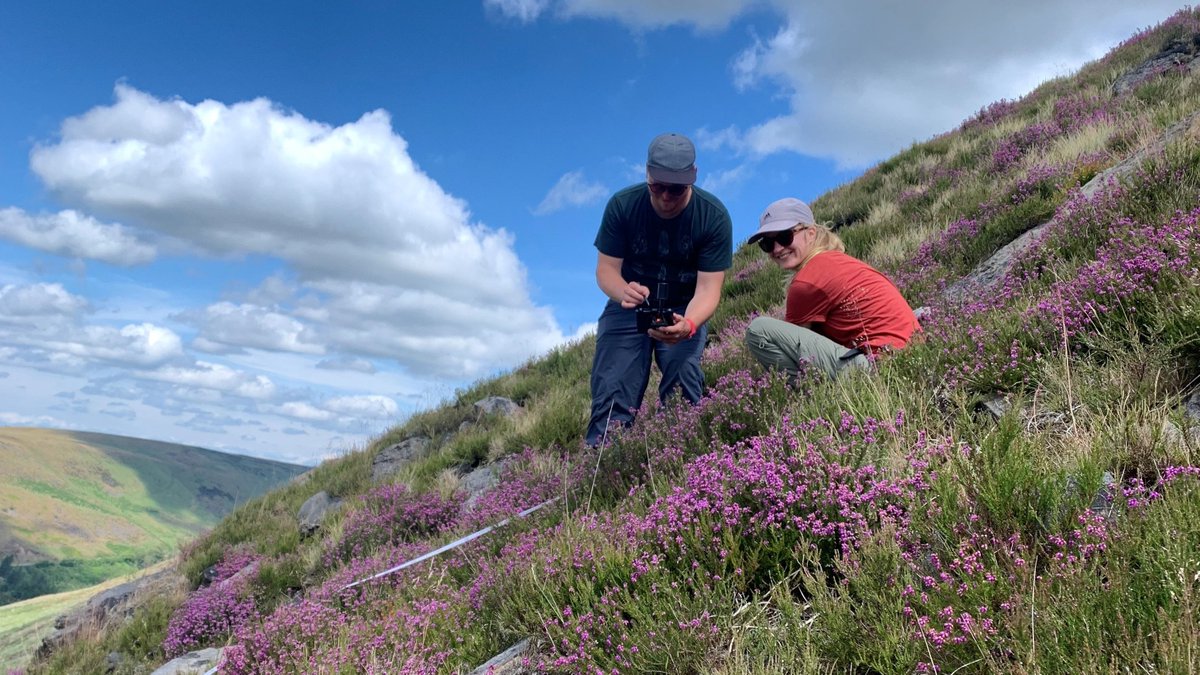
[{"x": 655, "y": 251}]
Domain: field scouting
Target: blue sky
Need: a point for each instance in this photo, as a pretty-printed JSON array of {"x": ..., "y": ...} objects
[{"x": 278, "y": 228}]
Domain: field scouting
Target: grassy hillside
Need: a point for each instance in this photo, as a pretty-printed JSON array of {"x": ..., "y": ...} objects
[
  {"x": 77, "y": 508},
  {"x": 1015, "y": 492},
  {"x": 23, "y": 624}
]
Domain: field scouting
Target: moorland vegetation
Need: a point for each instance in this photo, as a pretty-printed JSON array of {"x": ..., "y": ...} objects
[{"x": 1015, "y": 492}]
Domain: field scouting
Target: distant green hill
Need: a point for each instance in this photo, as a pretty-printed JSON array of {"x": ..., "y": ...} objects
[{"x": 77, "y": 508}]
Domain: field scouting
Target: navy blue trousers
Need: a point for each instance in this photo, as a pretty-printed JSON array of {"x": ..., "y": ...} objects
[{"x": 621, "y": 369}]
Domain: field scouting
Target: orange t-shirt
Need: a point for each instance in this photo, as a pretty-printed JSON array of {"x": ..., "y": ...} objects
[{"x": 850, "y": 302}]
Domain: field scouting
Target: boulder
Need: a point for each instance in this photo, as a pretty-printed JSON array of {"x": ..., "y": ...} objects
[
  {"x": 496, "y": 405},
  {"x": 1179, "y": 53},
  {"x": 996, "y": 405},
  {"x": 314, "y": 511},
  {"x": 191, "y": 663},
  {"x": 395, "y": 457},
  {"x": 477, "y": 482}
]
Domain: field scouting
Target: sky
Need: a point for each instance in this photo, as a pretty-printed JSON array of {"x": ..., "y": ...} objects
[{"x": 280, "y": 228}]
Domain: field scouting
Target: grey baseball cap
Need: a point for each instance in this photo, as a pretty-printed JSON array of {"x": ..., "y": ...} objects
[
  {"x": 671, "y": 159},
  {"x": 781, "y": 215}
]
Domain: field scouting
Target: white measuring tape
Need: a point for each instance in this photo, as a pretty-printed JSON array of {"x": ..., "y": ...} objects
[{"x": 452, "y": 545}]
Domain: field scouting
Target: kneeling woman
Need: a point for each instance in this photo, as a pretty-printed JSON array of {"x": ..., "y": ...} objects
[{"x": 841, "y": 312}]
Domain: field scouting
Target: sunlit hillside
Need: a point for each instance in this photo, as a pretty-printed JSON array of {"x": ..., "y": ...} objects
[
  {"x": 77, "y": 508},
  {"x": 1015, "y": 492}
]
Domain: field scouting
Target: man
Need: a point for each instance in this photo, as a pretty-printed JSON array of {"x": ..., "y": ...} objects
[{"x": 663, "y": 243}]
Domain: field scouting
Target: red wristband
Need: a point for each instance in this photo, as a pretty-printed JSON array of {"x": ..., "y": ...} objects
[{"x": 692, "y": 326}]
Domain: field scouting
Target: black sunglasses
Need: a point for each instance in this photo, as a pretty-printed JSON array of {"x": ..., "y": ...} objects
[
  {"x": 767, "y": 243},
  {"x": 670, "y": 188}
]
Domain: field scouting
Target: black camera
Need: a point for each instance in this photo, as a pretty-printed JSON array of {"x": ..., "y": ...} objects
[
  {"x": 653, "y": 317},
  {"x": 655, "y": 314}
]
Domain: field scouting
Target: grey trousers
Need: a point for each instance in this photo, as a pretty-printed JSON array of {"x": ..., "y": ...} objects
[
  {"x": 621, "y": 369},
  {"x": 783, "y": 345}
]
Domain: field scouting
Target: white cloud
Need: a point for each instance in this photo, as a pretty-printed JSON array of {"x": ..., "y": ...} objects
[
  {"x": 137, "y": 345},
  {"x": 370, "y": 407},
  {"x": 247, "y": 325},
  {"x": 216, "y": 377},
  {"x": 727, "y": 179},
  {"x": 521, "y": 10},
  {"x": 344, "y": 207},
  {"x": 865, "y": 82},
  {"x": 73, "y": 234},
  {"x": 302, "y": 410},
  {"x": 20, "y": 303},
  {"x": 570, "y": 191}
]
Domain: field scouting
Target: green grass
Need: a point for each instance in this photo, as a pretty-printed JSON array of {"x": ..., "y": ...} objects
[{"x": 1011, "y": 495}]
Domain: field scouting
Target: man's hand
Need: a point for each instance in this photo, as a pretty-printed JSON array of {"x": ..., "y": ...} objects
[
  {"x": 633, "y": 294},
  {"x": 675, "y": 334}
]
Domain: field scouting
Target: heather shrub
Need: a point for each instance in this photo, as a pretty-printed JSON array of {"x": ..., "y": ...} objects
[
  {"x": 390, "y": 514},
  {"x": 216, "y": 610}
]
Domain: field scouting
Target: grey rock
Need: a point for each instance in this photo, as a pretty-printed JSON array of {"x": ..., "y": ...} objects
[
  {"x": 988, "y": 273},
  {"x": 1103, "y": 501},
  {"x": 314, "y": 511},
  {"x": 507, "y": 662},
  {"x": 395, "y": 457},
  {"x": 996, "y": 405},
  {"x": 497, "y": 405},
  {"x": 1134, "y": 161},
  {"x": 1178, "y": 54},
  {"x": 191, "y": 663},
  {"x": 478, "y": 482},
  {"x": 1191, "y": 409},
  {"x": 208, "y": 576},
  {"x": 113, "y": 661},
  {"x": 1190, "y": 433}
]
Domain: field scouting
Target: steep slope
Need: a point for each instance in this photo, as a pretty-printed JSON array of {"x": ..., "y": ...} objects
[
  {"x": 77, "y": 507},
  {"x": 1016, "y": 492}
]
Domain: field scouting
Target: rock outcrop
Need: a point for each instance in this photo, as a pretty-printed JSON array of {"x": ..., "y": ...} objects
[
  {"x": 398, "y": 455},
  {"x": 314, "y": 511}
]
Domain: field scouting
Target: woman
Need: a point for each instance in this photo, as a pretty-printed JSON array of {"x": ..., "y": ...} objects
[{"x": 841, "y": 312}]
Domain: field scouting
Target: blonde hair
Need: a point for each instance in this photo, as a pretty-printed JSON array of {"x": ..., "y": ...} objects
[{"x": 824, "y": 240}]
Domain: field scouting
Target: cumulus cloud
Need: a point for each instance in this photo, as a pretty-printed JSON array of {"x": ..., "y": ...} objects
[
  {"x": 371, "y": 407},
  {"x": 248, "y": 325},
  {"x": 216, "y": 377},
  {"x": 570, "y": 191},
  {"x": 864, "y": 80},
  {"x": 21, "y": 303},
  {"x": 386, "y": 263},
  {"x": 138, "y": 345},
  {"x": 926, "y": 66},
  {"x": 73, "y": 234}
]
